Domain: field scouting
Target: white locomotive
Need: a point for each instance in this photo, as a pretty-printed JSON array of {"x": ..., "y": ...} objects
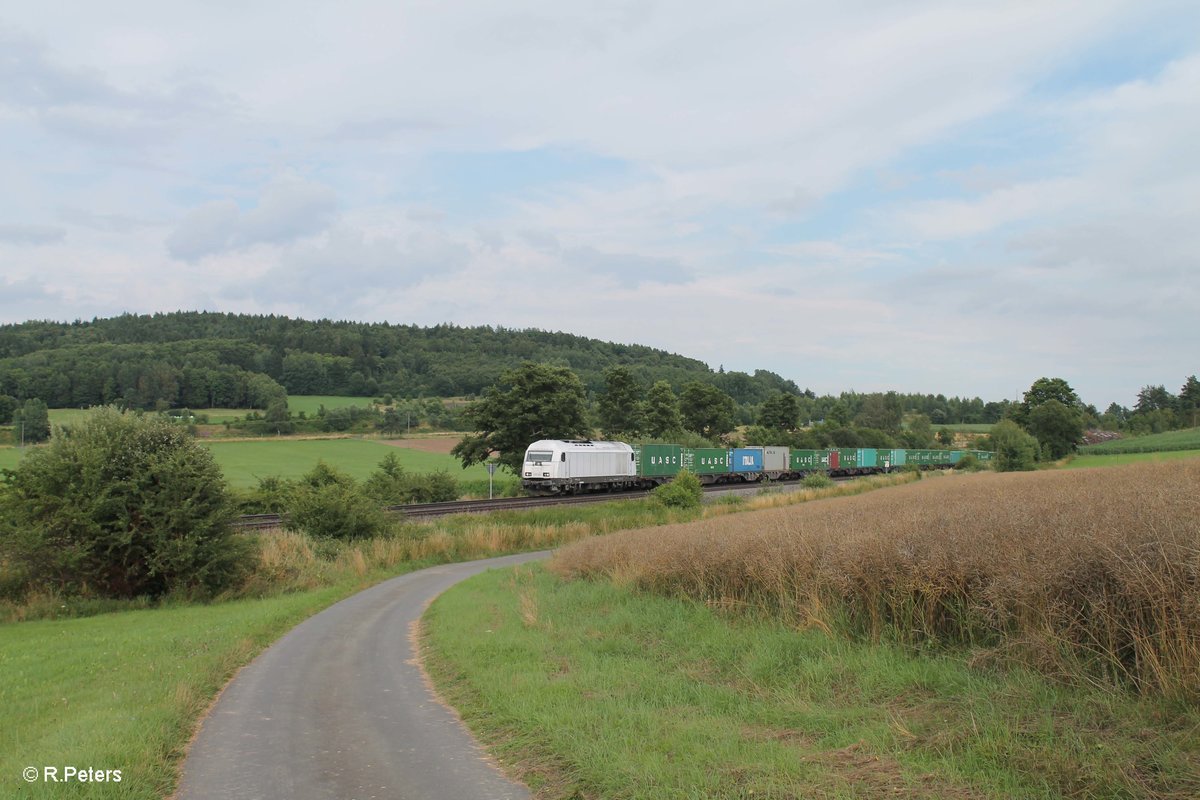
[{"x": 552, "y": 466}]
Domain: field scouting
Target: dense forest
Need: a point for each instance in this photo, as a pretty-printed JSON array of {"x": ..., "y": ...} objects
[
  {"x": 204, "y": 360},
  {"x": 207, "y": 360}
]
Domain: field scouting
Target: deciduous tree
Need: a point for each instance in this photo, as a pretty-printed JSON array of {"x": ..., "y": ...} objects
[
  {"x": 531, "y": 402},
  {"x": 31, "y": 423},
  {"x": 620, "y": 407},
  {"x": 661, "y": 410},
  {"x": 781, "y": 411},
  {"x": 1057, "y": 427},
  {"x": 705, "y": 409}
]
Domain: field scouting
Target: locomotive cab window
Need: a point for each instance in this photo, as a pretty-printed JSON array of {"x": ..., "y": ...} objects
[
  {"x": 564, "y": 457},
  {"x": 539, "y": 456}
]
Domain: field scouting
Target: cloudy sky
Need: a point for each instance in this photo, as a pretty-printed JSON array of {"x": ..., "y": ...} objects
[{"x": 922, "y": 196}]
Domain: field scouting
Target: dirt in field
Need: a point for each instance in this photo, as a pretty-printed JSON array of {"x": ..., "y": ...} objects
[{"x": 432, "y": 444}]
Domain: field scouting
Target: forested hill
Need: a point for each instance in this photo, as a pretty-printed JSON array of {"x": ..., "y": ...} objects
[{"x": 206, "y": 360}]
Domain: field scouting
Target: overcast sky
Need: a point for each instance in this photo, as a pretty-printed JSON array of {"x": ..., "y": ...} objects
[{"x": 939, "y": 197}]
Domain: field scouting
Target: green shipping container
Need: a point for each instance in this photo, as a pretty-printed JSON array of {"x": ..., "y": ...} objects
[
  {"x": 706, "y": 460},
  {"x": 848, "y": 457},
  {"x": 659, "y": 460},
  {"x": 808, "y": 460},
  {"x": 921, "y": 457}
]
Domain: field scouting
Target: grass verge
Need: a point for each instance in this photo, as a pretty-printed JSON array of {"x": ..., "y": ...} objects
[
  {"x": 588, "y": 689},
  {"x": 123, "y": 691}
]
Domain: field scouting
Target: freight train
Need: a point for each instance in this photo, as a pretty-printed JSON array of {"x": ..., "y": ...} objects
[{"x": 553, "y": 466}]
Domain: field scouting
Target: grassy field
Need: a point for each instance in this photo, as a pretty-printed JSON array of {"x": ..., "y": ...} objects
[
  {"x": 1158, "y": 442},
  {"x": 244, "y": 462},
  {"x": 594, "y": 689},
  {"x": 311, "y": 403},
  {"x": 1085, "y": 459},
  {"x": 65, "y": 416},
  {"x": 9, "y": 457},
  {"x": 966, "y": 427}
]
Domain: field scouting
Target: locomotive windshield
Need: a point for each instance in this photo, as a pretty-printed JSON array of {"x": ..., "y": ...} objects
[{"x": 539, "y": 456}]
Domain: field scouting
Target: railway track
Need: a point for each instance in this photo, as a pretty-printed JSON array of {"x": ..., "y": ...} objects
[
  {"x": 262, "y": 521},
  {"x": 418, "y": 510}
]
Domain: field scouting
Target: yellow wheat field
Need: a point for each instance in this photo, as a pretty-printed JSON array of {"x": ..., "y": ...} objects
[{"x": 1089, "y": 573}]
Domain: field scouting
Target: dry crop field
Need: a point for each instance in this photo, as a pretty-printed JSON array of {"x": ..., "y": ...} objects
[{"x": 1090, "y": 575}]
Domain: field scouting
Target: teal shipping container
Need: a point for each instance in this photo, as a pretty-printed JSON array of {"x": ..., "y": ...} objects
[
  {"x": 867, "y": 457},
  {"x": 895, "y": 458},
  {"x": 659, "y": 460}
]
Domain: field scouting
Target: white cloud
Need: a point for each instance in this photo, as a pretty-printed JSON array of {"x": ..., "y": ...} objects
[{"x": 288, "y": 209}]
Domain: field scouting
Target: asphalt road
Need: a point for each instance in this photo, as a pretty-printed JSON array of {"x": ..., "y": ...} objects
[{"x": 338, "y": 710}]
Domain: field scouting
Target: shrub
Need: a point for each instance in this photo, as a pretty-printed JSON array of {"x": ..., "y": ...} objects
[
  {"x": 684, "y": 491},
  {"x": 328, "y": 504},
  {"x": 392, "y": 485},
  {"x": 1016, "y": 450},
  {"x": 336, "y": 510},
  {"x": 121, "y": 506},
  {"x": 816, "y": 480},
  {"x": 968, "y": 463}
]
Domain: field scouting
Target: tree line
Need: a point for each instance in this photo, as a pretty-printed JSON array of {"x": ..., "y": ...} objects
[
  {"x": 544, "y": 401},
  {"x": 203, "y": 360}
]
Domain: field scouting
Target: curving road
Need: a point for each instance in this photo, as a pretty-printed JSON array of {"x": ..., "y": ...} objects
[{"x": 338, "y": 710}]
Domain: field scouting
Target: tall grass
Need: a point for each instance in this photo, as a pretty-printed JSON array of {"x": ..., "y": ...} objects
[{"x": 1091, "y": 574}]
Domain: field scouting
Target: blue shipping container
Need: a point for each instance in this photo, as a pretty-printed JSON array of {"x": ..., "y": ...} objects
[{"x": 747, "y": 459}]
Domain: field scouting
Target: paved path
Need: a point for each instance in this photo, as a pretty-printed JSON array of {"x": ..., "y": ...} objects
[{"x": 338, "y": 710}]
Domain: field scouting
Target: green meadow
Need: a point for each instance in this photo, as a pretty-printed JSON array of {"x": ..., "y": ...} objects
[
  {"x": 245, "y": 462},
  {"x": 9, "y": 457},
  {"x": 1188, "y": 439},
  {"x": 310, "y": 404},
  {"x": 1086, "y": 459}
]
